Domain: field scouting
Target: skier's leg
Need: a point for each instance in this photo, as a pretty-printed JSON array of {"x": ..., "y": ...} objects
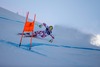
[
  {"x": 34, "y": 34},
  {"x": 43, "y": 34}
]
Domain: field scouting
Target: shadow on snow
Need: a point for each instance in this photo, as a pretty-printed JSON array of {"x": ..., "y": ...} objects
[{"x": 26, "y": 46}]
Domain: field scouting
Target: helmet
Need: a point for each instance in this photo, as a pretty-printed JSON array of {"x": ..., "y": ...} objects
[{"x": 50, "y": 27}]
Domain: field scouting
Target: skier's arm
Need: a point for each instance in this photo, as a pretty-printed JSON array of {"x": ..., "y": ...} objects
[
  {"x": 52, "y": 38},
  {"x": 44, "y": 24}
]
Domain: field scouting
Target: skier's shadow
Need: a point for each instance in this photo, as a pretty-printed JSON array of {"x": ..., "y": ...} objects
[{"x": 25, "y": 47}]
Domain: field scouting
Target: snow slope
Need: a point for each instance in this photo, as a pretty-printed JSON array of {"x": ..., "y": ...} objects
[{"x": 71, "y": 47}]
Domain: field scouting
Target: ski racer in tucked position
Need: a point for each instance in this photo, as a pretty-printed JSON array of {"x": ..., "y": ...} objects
[{"x": 42, "y": 34}]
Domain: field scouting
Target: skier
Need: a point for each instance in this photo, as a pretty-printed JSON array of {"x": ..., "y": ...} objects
[
  {"x": 45, "y": 33},
  {"x": 42, "y": 34}
]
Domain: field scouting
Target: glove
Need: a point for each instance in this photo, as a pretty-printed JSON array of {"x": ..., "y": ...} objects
[
  {"x": 40, "y": 26},
  {"x": 51, "y": 40}
]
